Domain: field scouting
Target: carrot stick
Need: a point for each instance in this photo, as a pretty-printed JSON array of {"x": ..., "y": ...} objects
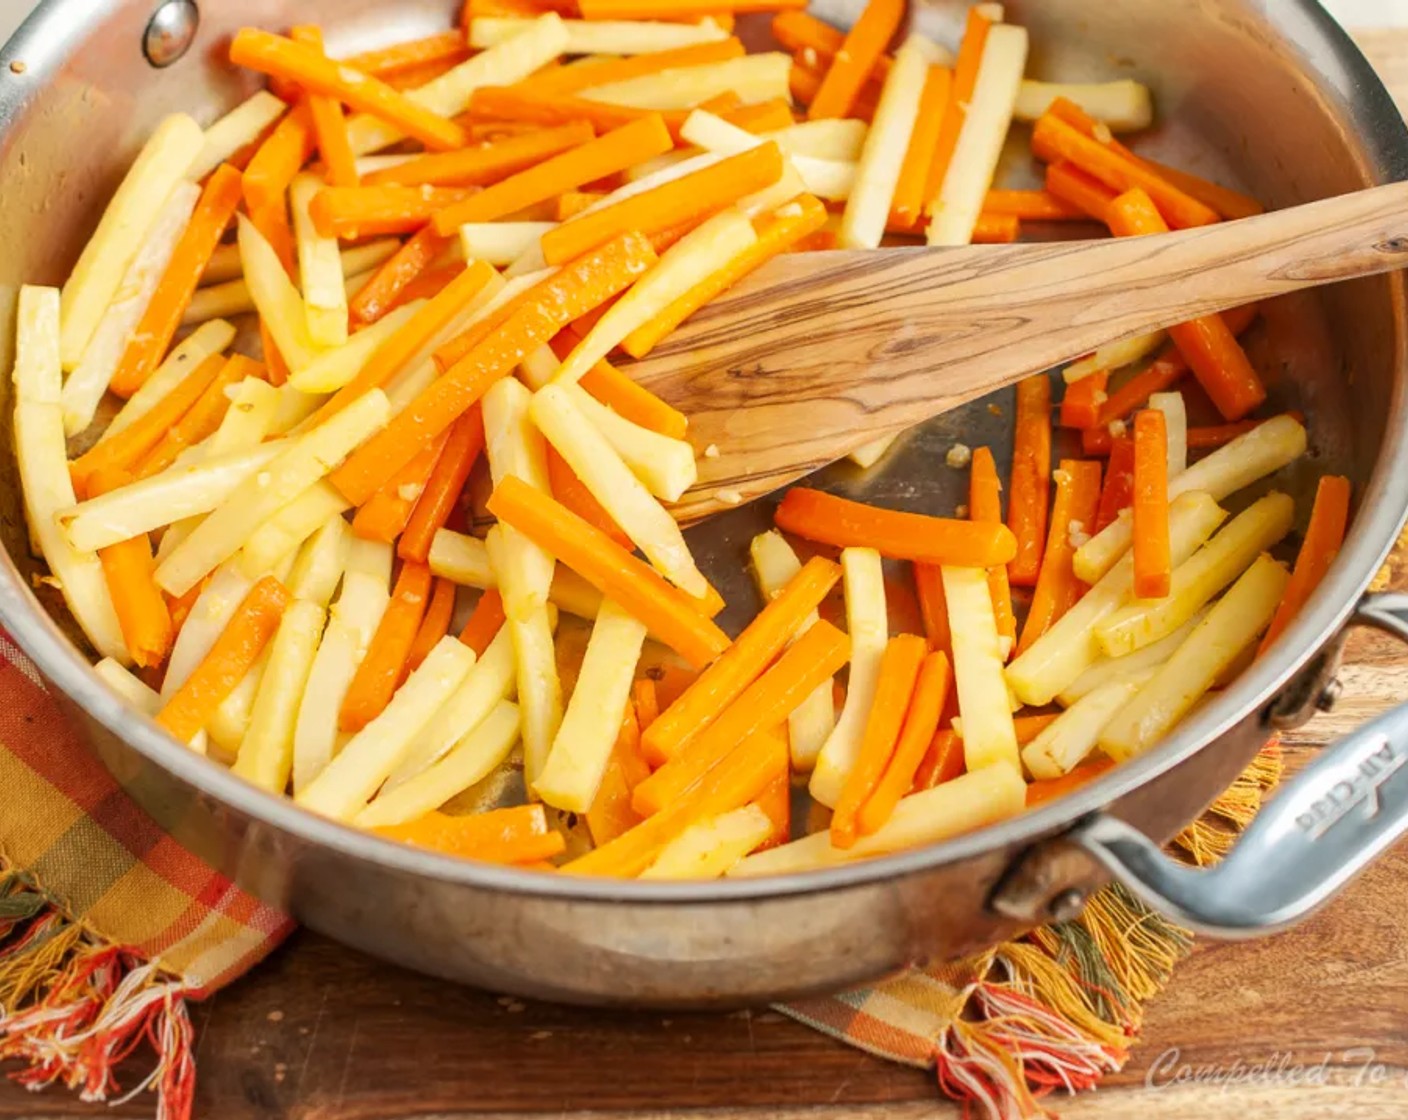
[
  {"x": 907, "y": 207},
  {"x": 239, "y": 645},
  {"x": 484, "y": 622},
  {"x": 1210, "y": 348},
  {"x": 1028, "y": 501},
  {"x": 571, "y": 79},
  {"x": 384, "y": 516},
  {"x": 430, "y": 283},
  {"x": 142, "y": 611},
  {"x": 448, "y": 46},
  {"x": 767, "y": 702},
  {"x": 933, "y": 607},
  {"x": 1119, "y": 483},
  {"x": 921, "y": 722},
  {"x": 743, "y": 662},
  {"x": 1068, "y": 184},
  {"x": 985, "y": 505},
  {"x": 965, "y": 80},
  {"x": 1153, "y": 565},
  {"x": 689, "y": 199},
  {"x": 613, "y": 388},
  {"x": 906, "y": 536},
  {"x": 571, "y": 203},
  {"x": 568, "y": 489},
  {"x": 573, "y": 290},
  {"x": 1323, "y": 538},
  {"x": 1032, "y": 206},
  {"x": 434, "y": 625},
  {"x": 283, "y": 58},
  {"x": 394, "y": 354},
  {"x": 851, "y": 65},
  {"x": 1048, "y": 789},
  {"x": 678, "y": 10},
  {"x": 647, "y": 701},
  {"x": 1080, "y": 407},
  {"x": 149, "y": 340},
  {"x": 672, "y": 616},
  {"x": 180, "y": 605},
  {"x": 776, "y": 233},
  {"x": 619, "y": 149},
  {"x": 899, "y": 671},
  {"x": 942, "y": 762},
  {"x": 801, "y": 31},
  {"x": 443, "y": 487},
  {"x": 126, "y": 448},
  {"x": 739, "y": 778},
  {"x": 373, "y": 211},
  {"x": 805, "y": 82},
  {"x": 776, "y": 802},
  {"x": 272, "y": 168},
  {"x": 523, "y": 105},
  {"x": 1027, "y": 727},
  {"x": 201, "y": 419},
  {"x": 385, "y": 666},
  {"x": 1074, "y": 511},
  {"x": 611, "y": 814},
  {"x": 480, "y": 166},
  {"x": 329, "y": 125},
  {"x": 380, "y": 293},
  {"x": 519, "y": 834},
  {"x": 1054, "y": 140},
  {"x": 996, "y": 229},
  {"x": 1217, "y": 435},
  {"x": 765, "y": 116}
]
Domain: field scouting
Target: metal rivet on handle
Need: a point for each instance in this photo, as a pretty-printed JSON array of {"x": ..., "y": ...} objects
[{"x": 171, "y": 31}]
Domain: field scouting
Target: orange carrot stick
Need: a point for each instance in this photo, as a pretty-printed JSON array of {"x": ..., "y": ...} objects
[
  {"x": 765, "y": 116},
  {"x": 743, "y": 662},
  {"x": 1153, "y": 566},
  {"x": 434, "y": 625},
  {"x": 329, "y": 125},
  {"x": 619, "y": 149},
  {"x": 374, "y": 211},
  {"x": 430, "y": 283},
  {"x": 740, "y": 777},
  {"x": 673, "y": 617},
  {"x": 519, "y": 834},
  {"x": 688, "y": 199},
  {"x": 411, "y": 54},
  {"x": 776, "y": 233},
  {"x": 965, "y": 80},
  {"x": 237, "y": 648},
  {"x": 1028, "y": 501},
  {"x": 1048, "y": 789},
  {"x": 1207, "y": 344},
  {"x": 1027, "y": 727},
  {"x": 1080, "y": 407},
  {"x": 812, "y": 659},
  {"x": 525, "y": 105},
  {"x": 283, "y": 58},
  {"x": 180, "y": 605},
  {"x": 201, "y": 419},
  {"x": 996, "y": 229},
  {"x": 486, "y": 164},
  {"x": 1217, "y": 435},
  {"x": 647, "y": 701},
  {"x": 851, "y": 65},
  {"x": 943, "y": 761},
  {"x": 776, "y": 802},
  {"x": 142, "y": 611},
  {"x": 906, "y": 536},
  {"x": 1119, "y": 483},
  {"x": 126, "y": 448},
  {"x": 150, "y": 338},
  {"x": 1032, "y": 206},
  {"x": 568, "y": 489},
  {"x": 899, "y": 671},
  {"x": 384, "y": 667},
  {"x": 1323, "y": 538},
  {"x": 381, "y": 292},
  {"x": 612, "y": 387},
  {"x": 804, "y": 83},
  {"x": 907, "y": 207},
  {"x": 384, "y": 516},
  {"x": 679, "y": 10},
  {"x": 396, "y": 352},
  {"x": 985, "y": 505},
  {"x": 921, "y": 722},
  {"x": 484, "y": 622},
  {"x": 443, "y": 487},
  {"x": 611, "y": 814},
  {"x": 572, "y": 79},
  {"x": 933, "y": 607},
  {"x": 1074, "y": 511},
  {"x": 1069, "y": 184},
  {"x": 573, "y": 290},
  {"x": 571, "y": 203},
  {"x": 272, "y": 168}
]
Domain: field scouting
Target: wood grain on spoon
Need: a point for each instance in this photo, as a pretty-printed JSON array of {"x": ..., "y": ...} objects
[{"x": 819, "y": 353}]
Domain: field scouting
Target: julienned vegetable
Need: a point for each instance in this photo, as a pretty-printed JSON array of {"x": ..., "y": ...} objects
[{"x": 445, "y": 401}]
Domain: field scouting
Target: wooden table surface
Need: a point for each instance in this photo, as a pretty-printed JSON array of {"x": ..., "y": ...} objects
[{"x": 1310, "y": 1024}]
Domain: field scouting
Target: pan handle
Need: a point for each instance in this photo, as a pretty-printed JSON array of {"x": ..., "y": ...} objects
[{"x": 1323, "y": 827}]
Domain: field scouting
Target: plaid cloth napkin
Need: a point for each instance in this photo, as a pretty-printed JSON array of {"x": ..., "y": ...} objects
[{"x": 108, "y": 927}]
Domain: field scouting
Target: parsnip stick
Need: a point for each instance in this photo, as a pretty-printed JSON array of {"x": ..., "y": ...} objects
[
  {"x": 1121, "y": 106},
  {"x": 294, "y": 523},
  {"x": 610, "y": 37},
  {"x": 989, "y": 735},
  {"x": 514, "y": 446},
  {"x": 211, "y": 612},
  {"x": 1142, "y": 660},
  {"x": 774, "y": 563},
  {"x": 225, "y": 262},
  {"x": 1062, "y": 745},
  {"x": 246, "y": 424},
  {"x": 318, "y": 566},
  {"x": 665, "y": 466},
  {"x": 712, "y": 847},
  {"x": 41, "y": 453},
  {"x": 828, "y": 139},
  {"x": 582, "y": 747},
  {"x": 868, "y": 454},
  {"x": 869, "y": 627},
  {"x": 465, "y": 560},
  {"x": 346, "y": 784},
  {"x": 1115, "y": 355},
  {"x": 125, "y": 225},
  {"x": 294, "y": 407},
  {"x": 237, "y": 129},
  {"x": 1176, "y": 427},
  {"x": 500, "y": 243},
  {"x": 279, "y": 305},
  {"x": 478, "y": 754},
  {"x": 754, "y": 78},
  {"x": 970, "y": 175},
  {"x": 1069, "y": 648},
  {"x": 89, "y": 380},
  {"x": 319, "y": 267},
  {"x": 975, "y": 799},
  {"x": 230, "y": 723},
  {"x": 1260, "y": 452},
  {"x": 209, "y": 338},
  {"x": 1234, "y": 623},
  {"x": 825, "y": 178},
  {"x": 332, "y": 369}
]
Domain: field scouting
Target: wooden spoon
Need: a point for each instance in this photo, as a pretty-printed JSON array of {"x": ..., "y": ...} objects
[{"x": 817, "y": 354}]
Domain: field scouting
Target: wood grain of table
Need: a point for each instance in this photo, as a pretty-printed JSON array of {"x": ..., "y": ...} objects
[{"x": 1309, "y": 1024}]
